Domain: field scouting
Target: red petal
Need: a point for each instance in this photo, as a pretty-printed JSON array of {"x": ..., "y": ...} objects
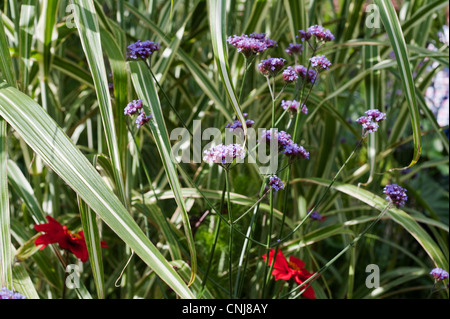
[
  {"x": 309, "y": 292},
  {"x": 281, "y": 269},
  {"x": 298, "y": 262}
]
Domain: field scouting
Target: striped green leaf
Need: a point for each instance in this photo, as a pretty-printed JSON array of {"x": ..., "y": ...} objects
[{"x": 393, "y": 29}]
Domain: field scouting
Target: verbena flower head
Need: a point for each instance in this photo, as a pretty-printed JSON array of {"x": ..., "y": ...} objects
[
  {"x": 292, "y": 269},
  {"x": 142, "y": 119},
  {"x": 289, "y": 75},
  {"x": 395, "y": 195},
  {"x": 251, "y": 45},
  {"x": 55, "y": 233},
  {"x": 142, "y": 50},
  {"x": 321, "y": 33},
  {"x": 5, "y": 293},
  {"x": 276, "y": 183},
  {"x": 263, "y": 38},
  {"x": 304, "y": 35},
  {"x": 236, "y": 124},
  {"x": 439, "y": 274},
  {"x": 310, "y": 75},
  {"x": 294, "y": 48},
  {"x": 223, "y": 154},
  {"x": 371, "y": 120},
  {"x": 271, "y": 66},
  {"x": 320, "y": 62},
  {"x": 133, "y": 107},
  {"x": 294, "y": 151},
  {"x": 293, "y": 106}
]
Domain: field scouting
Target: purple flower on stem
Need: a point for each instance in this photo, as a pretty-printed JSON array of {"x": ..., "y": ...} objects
[
  {"x": 251, "y": 45},
  {"x": 304, "y": 35},
  {"x": 321, "y": 33},
  {"x": 133, "y": 107},
  {"x": 289, "y": 75},
  {"x": 236, "y": 124},
  {"x": 320, "y": 62},
  {"x": 142, "y": 119},
  {"x": 294, "y": 151},
  {"x": 293, "y": 106},
  {"x": 294, "y": 48},
  {"x": 271, "y": 66},
  {"x": 310, "y": 75},
  {"x": 395, "y": 195},
  {"x": 142, "y": 50},
  {"x": 371, "y": 120},
  {"x": 439, "y": 274},
  {"x": 223, "y": 154},
  {"x": 276, "y": 183},
  {"x": 5, "y": 293}
]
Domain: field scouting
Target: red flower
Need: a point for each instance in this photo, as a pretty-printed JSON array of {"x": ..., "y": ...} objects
[
  {"x": 58, "y": 234},
  {"x": 294, "y": 268}
]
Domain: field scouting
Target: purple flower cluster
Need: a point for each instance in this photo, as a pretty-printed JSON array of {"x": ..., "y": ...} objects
[
  {"x": 395, "y": 195},
  {"x": 294, "y": 48},
  {"x": 251, "y": 44},
  {"x": 293, "y": 106},
  {"x": 286, "y": 145},
  {"x": 134, "y": 107},
  {"x": 236, "y": 124},
  {"x": 320, "y": 62},
  {"x": 321, "y": 33},
  {"x": 142, "y": 50},
  {"x": 370, "y": 121},
  {"x": 276, "y": 183},
  {"x": 9, "y": 294},
  {"x": 439, "y": 274},
  {"x": 310, "y": 75},
  {"x": 223, "y": 154},
  {"x": 289, "y": 75},
  {"x": 271, "y": 66}
]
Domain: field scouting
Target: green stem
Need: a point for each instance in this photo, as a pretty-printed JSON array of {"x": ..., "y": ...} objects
[{"x": 230, "y": 243}]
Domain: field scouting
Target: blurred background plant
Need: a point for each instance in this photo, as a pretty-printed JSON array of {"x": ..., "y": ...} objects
[{"x": 67, "y": 150}]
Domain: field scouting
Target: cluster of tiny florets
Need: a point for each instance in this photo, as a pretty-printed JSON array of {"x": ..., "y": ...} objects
[
  {"x": 285, "y": 144},
  {"x": 371, "y": 120},
  {"x": 5, "y": 293},
  {"x": 439, "y": 274},
  {"x": 223, "y": 154},
  {"x": 395, "y": 195},
  {"x": 276, "y": 183},
  {"x": 142, "y": 49},
  {"x": 134, "y": 107},
  {"x": 289, "y": 75},
  {"x": 236, "y": 124},
  {"x": 293, "y": 106},
  {"x": 271, "y": 66},
  {"x": 310, "y": 75},
  {"x": 294, "y": 48},
  {"x": 252, "y": 44},
  {"x": 321, "y": 33},
  {"x": 320, "y": 62}
]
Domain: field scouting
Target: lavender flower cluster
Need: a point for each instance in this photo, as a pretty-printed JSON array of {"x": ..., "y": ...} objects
[
  {"x": 395, "y": 195},
  {"x": 142, "y": 49},
  {"x": 271, "y": 66},
  {"x": 134, "y": 107},
  {"x": 9, "y": 294},
  {"x": 294, "y": 106},
  {"x": 236, "y": 124},
  {"x": 286, "y": 145},
  {"x": 439, "y": 274},
  {"x": 223, "y": 154},
  {"x": 371, "y": 120},
  {"x": 319, "y": 32},
  {"x": 253, "y": 44},
  {"x": 276, "y": 183}
]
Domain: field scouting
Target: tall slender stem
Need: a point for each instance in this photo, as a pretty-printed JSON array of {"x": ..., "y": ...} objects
[{"x": 230, "y": 243}]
